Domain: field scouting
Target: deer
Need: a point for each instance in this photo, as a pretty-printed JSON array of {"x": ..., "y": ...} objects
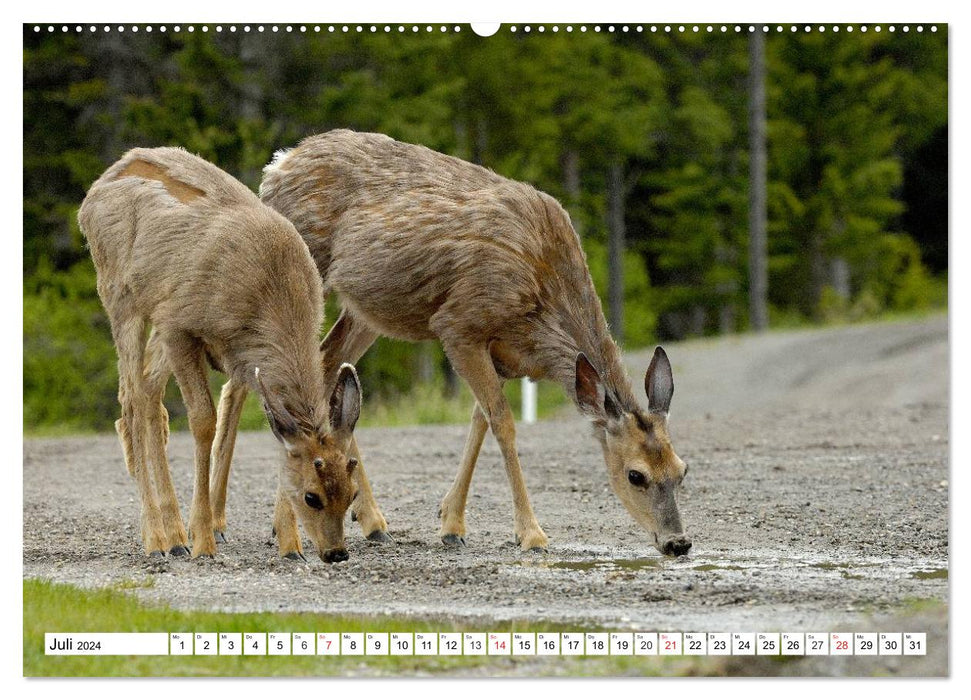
[
  {"x": 182, "y": 248},
  {"x": 420, "y": 245}
]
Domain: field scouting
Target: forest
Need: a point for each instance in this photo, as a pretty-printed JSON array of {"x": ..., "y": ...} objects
[{"x": 643, "y": 136}]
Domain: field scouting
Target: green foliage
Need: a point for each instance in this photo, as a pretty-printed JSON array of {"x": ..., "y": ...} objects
[
  {"x": 693, "y": 196},
  {"x": 849, "y": 116},
  {"x": 640, "y": 316},
  {"x": 843, "y": 113},
  {"x": 896, "y": 278},
  {"x": 70, "y": 376}
]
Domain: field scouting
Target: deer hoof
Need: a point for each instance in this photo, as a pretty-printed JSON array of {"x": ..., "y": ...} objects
[
  {"x": 532, "y": 543},
  {"x": 295, "y": 556},
  {"x": 157, "y": 554},
  {"x": 453, "y": 540},
  {"x": 179, "y": 550},
  {"x": 380, "y": 536},
  {"x": 220, "y": 536}
]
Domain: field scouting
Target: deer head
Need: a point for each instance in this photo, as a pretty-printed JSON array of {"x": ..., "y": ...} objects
[
  {"x": 317, "y": 477},
  {"x": 643, "y": 469}
]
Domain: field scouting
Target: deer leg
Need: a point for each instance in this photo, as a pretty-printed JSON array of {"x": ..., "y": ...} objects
[
  {"x": 124, "y": 437},
  {"x": 452, "y": 510},
  {"x": 475, "y": 365},
  {"x": 227, "y": 422},
  {"x": 156, "y": 375},
  {"x": 188, "y": 364},
  {"x": 129, "y": 336},
  {"x": 285, "y": 528},
  {"x": 347, "y": 341},
  {"x": 364, "y": 509}
]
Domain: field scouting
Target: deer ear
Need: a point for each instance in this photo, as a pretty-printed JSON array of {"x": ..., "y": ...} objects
[
  {"x": 589, "y": 388},
  {"x": 283, "y": 425},
  {"x": 659, "y": 382},
  {"x": 337, "y": 333},
  {"x": 345, "y": 402}
]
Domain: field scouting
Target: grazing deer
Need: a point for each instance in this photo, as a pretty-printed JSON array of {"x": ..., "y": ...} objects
[
  {"x": 183, "y": 247},
  {"x": 419, "y": 245}
]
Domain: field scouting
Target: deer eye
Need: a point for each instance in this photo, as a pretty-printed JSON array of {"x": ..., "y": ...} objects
[
  {"x": 636, "y": 478},
  {"x": 313, "y": 500}
]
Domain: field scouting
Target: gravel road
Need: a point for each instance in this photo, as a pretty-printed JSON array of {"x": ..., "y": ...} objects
[{"x": 817, "y": 501}]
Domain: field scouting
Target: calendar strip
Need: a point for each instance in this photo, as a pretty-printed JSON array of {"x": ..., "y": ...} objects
[{"x": 487, "y": 644}]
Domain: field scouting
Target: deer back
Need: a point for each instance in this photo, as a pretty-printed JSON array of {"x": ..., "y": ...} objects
[{"x": 193, "y": 249}]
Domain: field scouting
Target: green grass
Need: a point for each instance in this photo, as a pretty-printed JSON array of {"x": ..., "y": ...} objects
[
  {"x": 60, "y": 430},
  {"x": 918, "y": 606},
  {"x": 424, "y": 404},
  {"x": 428, "y": 404},
  {"x": 782, "y": 320}
]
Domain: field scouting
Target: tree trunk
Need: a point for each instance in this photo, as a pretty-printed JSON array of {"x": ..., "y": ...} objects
[
  {"x": 818, "y": 272},
  {"x": 758, "y": 264},
  {"x": 118, "y": 60},
  {"x": 462, "y": 148},
  {"x": 839, "y": 267},
  {"x": 426, "y": 363},
  {"x": 697, "y": 320},
  {"x": 726, "y": 289},
  {"x": 571, "y": 183},
  {"x": 615, "y": 249},
  {"x": 480, "y": 139},
  {"x": 251, "y": 96},
  {"x": 839, "y": 271},
  {"x": 726, "y": 319},
  {"x": 451, "y": 379}
]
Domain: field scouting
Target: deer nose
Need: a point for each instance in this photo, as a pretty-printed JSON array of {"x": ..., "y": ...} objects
[
  {"x": 676, "y": 546},
  {"x": 332, "y": 556}
]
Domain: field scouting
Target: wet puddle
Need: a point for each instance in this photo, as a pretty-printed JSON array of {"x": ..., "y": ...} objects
[
  {"x": 932, "y": 574},
  {"x": 862, "y": 570},
  {"x": 604, "y": 565},
  {"x": 836, "y": 566},
  {"x": 718, "y": 567}
]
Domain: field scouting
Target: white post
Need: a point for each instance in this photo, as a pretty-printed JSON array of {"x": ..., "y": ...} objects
[{"x": 529, "y": 400}]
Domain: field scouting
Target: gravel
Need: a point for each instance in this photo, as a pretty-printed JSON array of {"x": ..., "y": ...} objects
[{"x": 817, "y": 501}]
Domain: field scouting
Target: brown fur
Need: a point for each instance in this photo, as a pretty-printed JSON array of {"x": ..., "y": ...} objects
[
  {"x": 420, "y": 245},
  {"x": 182, "y": 247},
  {"x": 182, "y": 191},
  {"x": 475, "y": 256}
]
